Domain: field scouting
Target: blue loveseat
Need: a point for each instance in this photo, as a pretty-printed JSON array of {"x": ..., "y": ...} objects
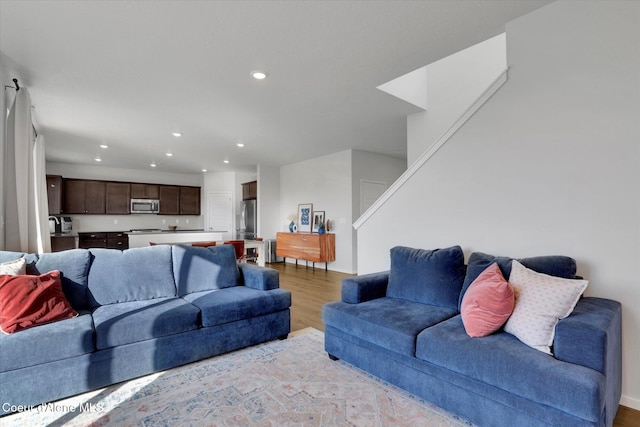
[
  {"x": 405, "y": 326},
  {"x": 140, "y": 311}
]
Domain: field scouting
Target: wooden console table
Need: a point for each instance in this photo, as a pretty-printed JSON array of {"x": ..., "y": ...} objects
[{"x": 307, "y": 246}]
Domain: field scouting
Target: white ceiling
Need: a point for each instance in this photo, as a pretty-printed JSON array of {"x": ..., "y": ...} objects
[{"x": 128, "y": 73}]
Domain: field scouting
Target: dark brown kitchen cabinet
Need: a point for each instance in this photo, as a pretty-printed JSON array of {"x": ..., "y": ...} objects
[
  {"x": 117, "y": 240},
  {"x": 92, "y": 240},
  {"x": 250, "y": 190},
  {"x": 145, "y": 191},
  {"x": 62, "y": 243},
  {"x": 189, "y": 201},
  {"x": 169, "y": 200},
  {"x": 54, "y": 194},
  {"x": 84, "y": 196},
  {"x": 118, "y": 197}
]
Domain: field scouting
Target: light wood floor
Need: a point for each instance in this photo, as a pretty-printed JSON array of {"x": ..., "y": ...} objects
[{"x": 311, "y": 289}]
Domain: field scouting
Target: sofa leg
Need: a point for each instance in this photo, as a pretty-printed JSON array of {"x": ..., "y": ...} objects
[
  {"x": 283, "y": 337},
  {"x": 332, "y": 357}
]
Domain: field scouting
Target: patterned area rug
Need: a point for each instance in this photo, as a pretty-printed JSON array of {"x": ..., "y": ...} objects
[{"x": 279, "y": 383}]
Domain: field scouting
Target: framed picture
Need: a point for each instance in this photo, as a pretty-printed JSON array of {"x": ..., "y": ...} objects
[
  {"x": 318, "y": 218},
  {"x": 305, "y": 211}
]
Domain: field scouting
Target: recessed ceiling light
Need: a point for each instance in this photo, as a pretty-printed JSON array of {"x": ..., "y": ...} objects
[
  {"x": 104, "y": 146},
  {"x": 153, "y": 165},
  {"x": 98, "y": 159},
  {"x": 240, "y": 144},
  {"x": 259, "y": 75},
  {"x": 226, "y": 161},
  {"x": 176, "y": 134},
  {"x": 204, "y": 170},
  {"x": 169, "y": 154}
]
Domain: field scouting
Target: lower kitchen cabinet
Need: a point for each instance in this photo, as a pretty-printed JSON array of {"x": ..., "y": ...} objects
[
  {"x": 62, "y": 243},
  {"x": 117, "y": 240},
  {"x": 107, "y": 240}
]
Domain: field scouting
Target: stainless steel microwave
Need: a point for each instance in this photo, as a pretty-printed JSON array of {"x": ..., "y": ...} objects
[{"x": 147, "y": 206}]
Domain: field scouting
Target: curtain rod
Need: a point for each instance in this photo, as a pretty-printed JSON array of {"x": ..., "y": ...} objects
[{"x": 16, "y": 87}]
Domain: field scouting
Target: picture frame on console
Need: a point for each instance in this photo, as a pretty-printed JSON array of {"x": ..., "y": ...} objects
[
  {"x": 318, "y": 218},
  {"x": 305, "y": 217}
]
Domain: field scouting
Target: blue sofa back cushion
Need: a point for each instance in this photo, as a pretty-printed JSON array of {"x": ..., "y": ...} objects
[
  {"x": 553, "y": 265},
  {"x": 427, "y": 276},
  {"x": 197, "y": 269},
  {"x": 136, "y": 274},
  {"x": 74, "y": 266},
  {"x": 6, "y": 256}
]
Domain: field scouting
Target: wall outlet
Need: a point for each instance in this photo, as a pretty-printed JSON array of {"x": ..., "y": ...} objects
[
  {"x": 115, "y": 221},
  {"x": 186, "y": 221},
  {"x": 177, "y": 221},
  {"x": 164, "y": 221}
]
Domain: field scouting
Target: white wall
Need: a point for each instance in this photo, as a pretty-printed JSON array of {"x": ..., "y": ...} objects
[
  {"x": 326, "y": 182},
  {"x": 371, "y": 167},
  {"x": 269, "y": 217},
  {"x": 85, "y": 223},
  {"x": 454, "y": 83},
  {"x": 550, "y": 165}
]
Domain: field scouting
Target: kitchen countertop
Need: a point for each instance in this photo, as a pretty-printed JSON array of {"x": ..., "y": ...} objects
[
  {"x": 72, "y": 234},
  {"x": 178, "y": 231}
]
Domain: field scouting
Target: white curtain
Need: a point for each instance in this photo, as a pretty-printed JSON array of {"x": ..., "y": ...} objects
[{"x": 26, "y": 206}]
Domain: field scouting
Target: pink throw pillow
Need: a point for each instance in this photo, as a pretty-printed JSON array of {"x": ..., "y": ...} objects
[
  {"x": 488, "y": 303},
  {"x": 28, "y": 301}
]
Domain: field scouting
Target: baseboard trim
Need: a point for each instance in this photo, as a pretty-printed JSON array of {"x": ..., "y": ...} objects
[{"x": 630, "y": 402}]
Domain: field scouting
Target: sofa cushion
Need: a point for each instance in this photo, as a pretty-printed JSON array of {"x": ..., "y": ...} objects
[
  {"x": 15, "y": 267},
  {"x": 129, "y": 322},
  {"x": 488, "y": 303},
  {"x": 197, "y": 269},
  {"x": 47, "y": 343},
  {"x": 554, "y": 265},
  {"x": 237, "y": 303},
  {"x": 390, "y": 323},
  {"x": 28, "y": 301},
  {"x": 432, "y": 277},
  {"x": 541, "y": 300},
  {"x": 74, "y": 266},
  {"x": 137, "y": 274},
  {"x": 502, "y": 361},
  {"x": 31, "y": 259}
]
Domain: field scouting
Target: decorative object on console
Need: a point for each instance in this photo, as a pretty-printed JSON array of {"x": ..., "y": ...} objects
[
  {"x": 305, "y": 211},
  {"x": 318, "y": 222},
  {"x": 292, "y": 224}
]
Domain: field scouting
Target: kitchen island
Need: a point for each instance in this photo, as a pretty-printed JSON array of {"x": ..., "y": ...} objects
[{"x": 139, "y": 238}]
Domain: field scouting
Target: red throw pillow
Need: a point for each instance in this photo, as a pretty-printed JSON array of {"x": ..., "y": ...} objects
[
  {"x": 488, "y": 303},
  {"x": 28, "y": 301}
]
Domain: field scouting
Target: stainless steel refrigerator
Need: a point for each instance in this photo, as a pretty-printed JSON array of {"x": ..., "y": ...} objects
[{"x": 248, "y": 221}]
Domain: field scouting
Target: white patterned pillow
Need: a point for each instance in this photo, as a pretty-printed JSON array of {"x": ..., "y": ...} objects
[
  {"x": 541, "y": 301},
  {"x": 17, "y": 267}
]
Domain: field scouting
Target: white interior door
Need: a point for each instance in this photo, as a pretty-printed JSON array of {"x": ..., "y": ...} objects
[
  {"x": 370, "y": 191},
  {"x": 220, "y": 213}
]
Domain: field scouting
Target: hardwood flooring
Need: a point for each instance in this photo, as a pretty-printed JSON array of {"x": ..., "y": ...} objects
[{"x": 311, "y": 289}]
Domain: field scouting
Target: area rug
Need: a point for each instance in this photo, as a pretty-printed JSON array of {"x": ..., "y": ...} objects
[{"x": 279, "y": 383}]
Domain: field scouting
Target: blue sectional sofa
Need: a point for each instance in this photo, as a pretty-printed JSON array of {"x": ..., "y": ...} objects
[
  {"x": 405, "y": 326},
  {"x": 140, "y": 311}
]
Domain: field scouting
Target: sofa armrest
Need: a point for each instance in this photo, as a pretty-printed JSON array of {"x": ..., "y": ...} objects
[
  {"x": 364, "y": 288},
  {"x": 259, "y": 278},
  {"x": 591, "y": 335}
]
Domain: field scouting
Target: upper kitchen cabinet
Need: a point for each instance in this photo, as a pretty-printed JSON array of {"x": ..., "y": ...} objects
[
  {"x": 189, "y": 201},
  {"x": 84, "y": 196},
  {"x": 118, "y": 197},
  {"x": 54, "y": 194},
  {"x": 145, "y": 191},
  {"x": 250, "y": 190},
  {"x": 169, "y": 200}
]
